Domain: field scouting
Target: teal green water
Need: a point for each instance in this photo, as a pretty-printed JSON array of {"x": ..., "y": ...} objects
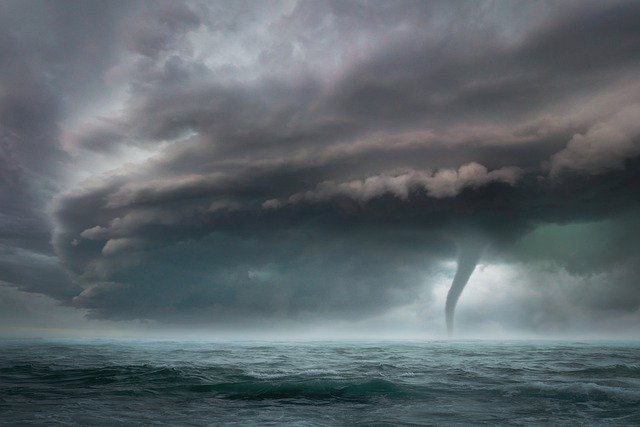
[{"x": 318, "y": 383}]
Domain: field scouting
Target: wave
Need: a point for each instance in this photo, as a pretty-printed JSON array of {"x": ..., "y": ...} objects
[
  {"x": 311, "y": 384},
  {"x": 313, "y": 390},
  {"x": 628, "y": 371}
]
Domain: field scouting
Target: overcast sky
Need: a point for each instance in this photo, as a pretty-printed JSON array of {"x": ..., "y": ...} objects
[{"x": 284, "y": 168}]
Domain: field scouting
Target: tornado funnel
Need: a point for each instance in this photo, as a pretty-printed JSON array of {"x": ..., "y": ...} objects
[{"x": 468, "y": 255}]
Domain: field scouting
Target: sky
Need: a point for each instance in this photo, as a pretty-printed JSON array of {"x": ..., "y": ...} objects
[{"x": 282, "y": 169}]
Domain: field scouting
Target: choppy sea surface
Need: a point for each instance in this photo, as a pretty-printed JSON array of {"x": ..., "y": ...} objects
[{"x": 318, "y": 383}]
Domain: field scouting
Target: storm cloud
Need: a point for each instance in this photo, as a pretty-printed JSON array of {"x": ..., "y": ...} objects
[{"x": 223, "y": 163}]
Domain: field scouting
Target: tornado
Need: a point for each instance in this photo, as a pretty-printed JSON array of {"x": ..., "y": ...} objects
[{"x": 469, "y": 253}]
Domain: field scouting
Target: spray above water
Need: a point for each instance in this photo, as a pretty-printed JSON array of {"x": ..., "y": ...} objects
[{"x": 469, "y": 252}]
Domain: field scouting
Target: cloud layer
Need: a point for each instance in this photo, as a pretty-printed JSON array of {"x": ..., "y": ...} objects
[{"x": 211, "y": 163}]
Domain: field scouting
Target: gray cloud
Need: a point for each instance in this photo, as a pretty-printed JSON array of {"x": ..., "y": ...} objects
[
  {"x": 605, "y": 145},
  {"x": 221, "y": 161},
  {"x": 443, "y": 183}
]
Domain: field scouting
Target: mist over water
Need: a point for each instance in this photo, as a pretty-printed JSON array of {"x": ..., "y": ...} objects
[{"x": 319, "y": 383}]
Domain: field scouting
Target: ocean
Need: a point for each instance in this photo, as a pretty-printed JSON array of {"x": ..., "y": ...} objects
[{"x": 109, "y": 382}]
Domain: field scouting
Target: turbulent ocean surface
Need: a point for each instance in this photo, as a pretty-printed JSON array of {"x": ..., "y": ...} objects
[{"x": 318, "y": 383}]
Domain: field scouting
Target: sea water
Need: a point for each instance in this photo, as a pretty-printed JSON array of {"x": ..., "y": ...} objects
[{"x": 48, "y": 382}]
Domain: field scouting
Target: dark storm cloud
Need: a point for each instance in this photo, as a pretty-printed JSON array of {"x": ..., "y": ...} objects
[
  {"x": 324, "y": 157},
  {"x": 49, "y": 56},
  {"x": 161, "y": 25}
]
